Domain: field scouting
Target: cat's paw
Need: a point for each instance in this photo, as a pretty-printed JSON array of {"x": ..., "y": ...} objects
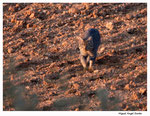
[
  {"x": 85, "y": 69},
  {"x": 91, "y": 70}
]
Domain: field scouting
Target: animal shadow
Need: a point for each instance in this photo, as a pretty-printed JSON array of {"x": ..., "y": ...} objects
[{"x": 109, "y": 60}]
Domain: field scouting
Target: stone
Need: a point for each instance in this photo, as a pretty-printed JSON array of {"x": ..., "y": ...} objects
[
  {"x": 129, "y": 16},
  {"x": 27, "y": 87},
  {"x": 112, "y": 87},
  {"x": 32, "y": 15},
  {"x": 76, "y": 86},
  {"x": 10, "y": 50},
  {"x": 95, "y": 71},
  {"x": 77, "y": 109},
  {"x": 73, "y": 10},
  {"x": 142, "y": 90},
  {"x": 28, "y": 25},
  {"x": 13, "y": 20},
  {"x": 127, "y": 87},
  {"x": 109, "y": 25},
  {"x": 134, "y": 96}
]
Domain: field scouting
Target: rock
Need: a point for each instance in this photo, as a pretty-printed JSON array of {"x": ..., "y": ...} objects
[
  {"x": 76, "y": 86},
  {"x": 109, "y": 25},
  {"x": 28, "y": 25},
  {"x": 13, "y": 20},
  {"x": 59, "y": 7},
  {"x": 17, "y": 5},
  {"x": 19, "y": 57},
  {"x": 46, "y": 57},
  {"x": 77, "y": 109},
  {"x": 73, "y": 10},
  {"x": 11, "y": 9},
  {"x": 78, "y": 93},
  {"x": 11, "y": 78},
  {"x": 132, "y": 83},
  {"x": 83, "y": 12},
  {"x": 142, "y": 90},
  {"x": 127, "y": 87},
  {"x": 129, "y": 16},
  {"x": 117, "y": 18},
  {"x": 95, "y": 13},
  {"x": 28, "y": 12},
  {"x": 134, "y": 96},
  {"x": 32, "y": 15},
  {"x": 34, "y": 25},
  {"x": 10, "y": 50},
  {"x": 27, "y": 87},
  {"x": 19, "y": 22},
  {"x": 64, "y": 43},
  {"x": 53, "y": 93},
  {"x": 112, "y": 87},
  {"x": 95, "y": 71},
  {"x": 88, "y": 6}
]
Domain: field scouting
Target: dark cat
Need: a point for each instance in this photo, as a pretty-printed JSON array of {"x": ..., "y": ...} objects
[{"x": 88, "y": 46}]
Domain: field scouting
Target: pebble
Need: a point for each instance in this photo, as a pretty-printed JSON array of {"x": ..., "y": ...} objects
[
  {"x": 32, "y": 15},
  {"x": 73, "y": 10},
  {"x": 134, "y": 96},
  {"x": 76, "y": 86},
  {"x": 127, "y": 87},
  {"x": 95, "y": 71},
  {"x": 27, "y": 87},
  {"x": 77, "y": 109},
  {"x": 142, "y": 90},
  {"x": 109, "y": 25},
  {"x": 10, "y": 50},
  {"x": 112, "y": 87}
]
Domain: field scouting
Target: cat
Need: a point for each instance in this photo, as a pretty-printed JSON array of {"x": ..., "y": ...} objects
[{"x": 88, "y": 46}]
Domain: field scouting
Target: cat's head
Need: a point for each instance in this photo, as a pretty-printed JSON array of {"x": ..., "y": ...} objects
[{"x": 86, "y": 43}]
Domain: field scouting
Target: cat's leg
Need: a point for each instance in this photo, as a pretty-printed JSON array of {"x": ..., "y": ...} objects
[
  {"x": 91, "y": 63},
  {"x": 83, "y": 61}
]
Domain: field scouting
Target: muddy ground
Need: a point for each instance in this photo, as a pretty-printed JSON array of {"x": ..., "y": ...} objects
[{"x": 41, "y": 63}]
